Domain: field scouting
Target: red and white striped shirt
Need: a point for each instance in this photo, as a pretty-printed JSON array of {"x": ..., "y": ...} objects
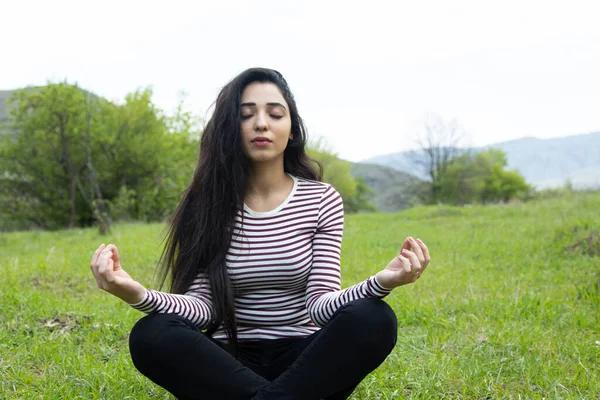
[{"x": 284, "y": 266}]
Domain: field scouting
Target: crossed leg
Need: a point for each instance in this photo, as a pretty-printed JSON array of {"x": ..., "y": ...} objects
[{"x": 175, "y": 354}]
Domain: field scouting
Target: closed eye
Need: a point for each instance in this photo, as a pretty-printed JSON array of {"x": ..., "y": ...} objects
[{"x": 272, "y": 116}]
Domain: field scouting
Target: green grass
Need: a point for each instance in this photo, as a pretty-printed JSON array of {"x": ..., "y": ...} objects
[{"x": 509, "y": 307}]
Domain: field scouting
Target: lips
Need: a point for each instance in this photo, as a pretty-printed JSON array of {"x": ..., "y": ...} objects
[{"x": 261, "y": 139}]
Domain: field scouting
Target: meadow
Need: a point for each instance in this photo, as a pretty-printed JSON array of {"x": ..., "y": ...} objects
[{"x": 509, "y": 307}]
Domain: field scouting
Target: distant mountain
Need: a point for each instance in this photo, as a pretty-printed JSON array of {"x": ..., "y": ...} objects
[{"x": 544, "y": 163}]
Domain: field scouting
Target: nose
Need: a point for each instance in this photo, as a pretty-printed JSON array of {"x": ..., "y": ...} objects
[{"x": 261, "y": 122}]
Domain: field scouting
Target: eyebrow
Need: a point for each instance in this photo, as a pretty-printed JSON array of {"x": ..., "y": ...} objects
[{"x": 273, "y": 104}]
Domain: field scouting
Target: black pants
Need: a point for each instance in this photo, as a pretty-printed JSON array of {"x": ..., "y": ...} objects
[{"x": 328, "y": 364}]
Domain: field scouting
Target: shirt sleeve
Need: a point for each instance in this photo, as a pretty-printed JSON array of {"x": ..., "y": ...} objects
[
  {"x": 195, "y": 304},
  {"x": 323, "y": 293}
]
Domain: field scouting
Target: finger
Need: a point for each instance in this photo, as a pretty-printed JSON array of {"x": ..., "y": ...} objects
[
  {"x": 115, "y": 256},
  {"x": 425, "y": 252},
  {"x": 416, "y": 248},
  {"x": 414, "y": 260},
  {"x": 111, "y": 247},
  {"x": 95, "y": 257},
  {"x": 101, "y": 262},
  {"x": 104, "y": 261},
  {"x": 416, "y": 269},
  {"x": 108, "y": 275},
  {"x": 405, "y": 245},
  {"x": 405, "y": 263}
]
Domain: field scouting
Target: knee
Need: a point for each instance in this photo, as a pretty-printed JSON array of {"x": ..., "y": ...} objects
[
  {"x": 376, "y": 323},
  {"x": 149, "y": 333}
]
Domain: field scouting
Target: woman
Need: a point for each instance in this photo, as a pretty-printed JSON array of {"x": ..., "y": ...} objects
[{"x": 253, "y": 255}]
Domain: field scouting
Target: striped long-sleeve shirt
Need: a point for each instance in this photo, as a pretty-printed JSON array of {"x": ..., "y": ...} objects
[{"x": 284, "y": 266}]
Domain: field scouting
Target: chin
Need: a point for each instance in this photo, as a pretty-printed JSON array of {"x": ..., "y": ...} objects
[{"x": 261, "y": 158}]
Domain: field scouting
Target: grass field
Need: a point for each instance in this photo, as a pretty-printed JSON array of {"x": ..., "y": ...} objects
[{"x": 509, "y": 307}]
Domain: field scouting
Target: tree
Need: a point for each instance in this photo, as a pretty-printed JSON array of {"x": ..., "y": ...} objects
[
  {"x": 75, "y": 159},
  {"x": 461, "y": 180},
  {"x": 337, "y": 172},
  {"x": 501, "y": 184},
  {"x": 438, "y": 145},
  {"x": 360, "y": 201},
  {"x": 95, "y": 199},
  {"x": 474, "y": 177},
  {"x": 43, "y": 160}
]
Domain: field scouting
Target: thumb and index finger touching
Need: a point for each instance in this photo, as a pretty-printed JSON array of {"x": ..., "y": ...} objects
[
  {"x": 115, "y": 255},
  {"x": 106, "y": 258},
  {"x": 407, "y": 245},
  {"x": 418, "y": 247},
  {"x": 115, "y": 251}
]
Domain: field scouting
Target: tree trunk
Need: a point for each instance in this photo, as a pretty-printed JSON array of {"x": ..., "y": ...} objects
[{"x": 73, "y": 218}]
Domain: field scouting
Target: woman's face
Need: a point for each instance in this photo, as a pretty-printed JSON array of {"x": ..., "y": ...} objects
[{"x": 266, "y": 122}]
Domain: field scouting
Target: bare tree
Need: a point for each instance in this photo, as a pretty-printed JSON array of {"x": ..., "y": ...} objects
[{"x": 438, "y": 144}]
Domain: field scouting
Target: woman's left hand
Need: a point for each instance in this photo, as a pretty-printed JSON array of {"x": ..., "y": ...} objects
[{"x": 407, "y": 266}]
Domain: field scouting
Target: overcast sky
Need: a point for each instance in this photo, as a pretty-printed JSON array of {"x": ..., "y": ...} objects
[{"x": 363, "y": 73}]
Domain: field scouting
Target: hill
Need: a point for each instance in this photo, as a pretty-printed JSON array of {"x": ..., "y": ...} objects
[
  {"x": 392, "y": 190},
  {"x": 544, "y": 163}
]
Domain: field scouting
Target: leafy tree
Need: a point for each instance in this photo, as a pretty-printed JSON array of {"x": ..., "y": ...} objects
[
  {"x": 43, "y": 161},
  {"x": 474, "y": 177},
  {"x": 75, "y": 158},
  {"x": 337, "y": 172},
  {"x": 151, "y": 157},
  {"x": 360, "y": 201},
  {"x": 500, "y": 184},
  {"x": 462, "y": 180},
  {"x": 135, "y": 156}
]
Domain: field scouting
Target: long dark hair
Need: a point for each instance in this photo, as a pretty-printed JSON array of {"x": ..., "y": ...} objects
[{"x": 198, "y": 233}]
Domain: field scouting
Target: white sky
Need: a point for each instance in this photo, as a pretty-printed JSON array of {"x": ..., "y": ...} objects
[{"x": 363, "y": 73}]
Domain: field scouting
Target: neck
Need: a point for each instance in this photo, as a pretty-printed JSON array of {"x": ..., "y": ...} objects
[{"x": 266, "y": 178}]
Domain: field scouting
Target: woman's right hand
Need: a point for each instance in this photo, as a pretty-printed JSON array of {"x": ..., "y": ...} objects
[{"x": 106, "y": 267}]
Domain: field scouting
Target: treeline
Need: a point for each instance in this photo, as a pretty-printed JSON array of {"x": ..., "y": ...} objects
[{"x": 72, "y": 159}]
